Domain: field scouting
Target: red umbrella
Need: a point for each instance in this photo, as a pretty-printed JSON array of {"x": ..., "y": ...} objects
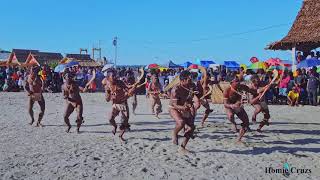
[
  {"x": 153, "y": 66},
  {"x": 254, "y": 60},
  {"x": 193, "y": 66},
  {"x": 273, "y": 62}
]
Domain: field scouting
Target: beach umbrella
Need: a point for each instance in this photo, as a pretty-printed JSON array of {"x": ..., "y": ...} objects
[
  {"x": 277, "y": 68},
  {"x": 153, "y": 66},
  {"x": 273, "y": 61},
  {"x": 59, "y": 68},
  {"x": 254, "y": 60},
  {"x": 258, "y": 65},
  {"x": 72, "y": 63},
  {"x": 107, "y": 66},
  {"x": 309, "y": 63},
  {"x": 193, "y": 66},
  {"x": 286, "y": 63},
  {"x": 243, "y": 66},
  {"x": 163, "y": 68}
]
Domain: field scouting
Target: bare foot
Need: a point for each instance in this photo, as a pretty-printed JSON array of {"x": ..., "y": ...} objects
[
  {"x": 235, "y": 130},
  {"x": 183, "y": 151},
  {"x": 157, "y": 116},
  {"x": 175, "y": 141},
  {"x": 68, "y": 130},
  {"x": 202, "y": 124},
  {"x": 122, "y": 139},
  {"x": 39, "y": 125},
  {"x": 114, "y": 130},
  {"x": 239, "y": 142}
]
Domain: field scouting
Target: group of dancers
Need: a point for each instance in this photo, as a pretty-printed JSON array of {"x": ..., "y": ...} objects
[{"x": 186, "y": 97}]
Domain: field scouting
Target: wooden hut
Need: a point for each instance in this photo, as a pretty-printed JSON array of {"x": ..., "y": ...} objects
[
  {"x": 304, "y": 34},
  {"x": 83, "y": 59},
  {"x": 42, "y": 58},
  {"x": 19, "y": 56}
]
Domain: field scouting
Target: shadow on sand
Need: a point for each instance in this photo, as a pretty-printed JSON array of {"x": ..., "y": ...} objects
[{"x": 267, "y": 150}]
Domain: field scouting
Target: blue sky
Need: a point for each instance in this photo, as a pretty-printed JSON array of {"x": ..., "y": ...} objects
[{"x": 150, "y": 30}]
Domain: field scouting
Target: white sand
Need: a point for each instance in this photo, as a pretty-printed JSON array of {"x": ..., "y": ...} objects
[{"x": 28, "y": 152}]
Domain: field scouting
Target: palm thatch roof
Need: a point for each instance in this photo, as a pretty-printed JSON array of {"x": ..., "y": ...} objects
[
  {"x": 83, "y": 59},
  {"x": 305, "y": 31}
]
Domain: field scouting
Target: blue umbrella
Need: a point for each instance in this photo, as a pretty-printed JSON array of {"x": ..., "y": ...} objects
[
  {"x": 309, "y": 63},
  {"x": 186, "y": 64},
  {"x": 72, "y": 63},
  {"x": 59, "y": 68}
]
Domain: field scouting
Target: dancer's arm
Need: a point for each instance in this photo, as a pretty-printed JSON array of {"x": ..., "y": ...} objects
[{"x": 27, "y": 87}]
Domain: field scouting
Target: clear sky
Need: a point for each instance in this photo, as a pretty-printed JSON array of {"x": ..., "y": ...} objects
[{"x": 150, "y": 30}]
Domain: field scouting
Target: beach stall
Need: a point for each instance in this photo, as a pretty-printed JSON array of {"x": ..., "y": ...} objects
[
  {"x": 171, "y": 65},
  {"x": 206, "y": 63},
  {"x": 186, "y": 64},
  {"x": 231, "y": 65}
]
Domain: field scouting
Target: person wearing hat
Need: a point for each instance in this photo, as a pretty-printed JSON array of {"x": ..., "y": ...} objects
[
  {"x": 35, "y": 86},
  {"x": 232, "y": 103},
  {"x": 71, "y": 93},
  {"x": 182, "y": 108}
]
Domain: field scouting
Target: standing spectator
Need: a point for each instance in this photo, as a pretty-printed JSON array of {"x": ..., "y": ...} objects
[
  {"x": 301, "y": 83},
  {"x": 283, "y": 86},
  {"x": 312, "y": 87},
  {"x": 299, "y": 57}
]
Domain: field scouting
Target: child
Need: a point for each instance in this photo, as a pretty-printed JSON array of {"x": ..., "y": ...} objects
[{"x": 293, "y": 96}]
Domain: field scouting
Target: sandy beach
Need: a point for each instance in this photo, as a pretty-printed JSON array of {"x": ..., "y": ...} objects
[{"x": 28, "y": 152}]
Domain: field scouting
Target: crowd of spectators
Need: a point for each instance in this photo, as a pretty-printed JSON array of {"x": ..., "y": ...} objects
[{"x": 304, "y": 84}]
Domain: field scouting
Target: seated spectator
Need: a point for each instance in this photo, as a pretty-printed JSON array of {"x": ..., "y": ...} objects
[{"x": 293, "y": 97}]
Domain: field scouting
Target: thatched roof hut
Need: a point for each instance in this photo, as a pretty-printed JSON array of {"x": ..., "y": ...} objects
[
  {"x": 42, "y": 58},
  {"x": 304, "y": 34},
  {"x": 83, "y": 59},
  {"x": 19, "y": 56}
]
